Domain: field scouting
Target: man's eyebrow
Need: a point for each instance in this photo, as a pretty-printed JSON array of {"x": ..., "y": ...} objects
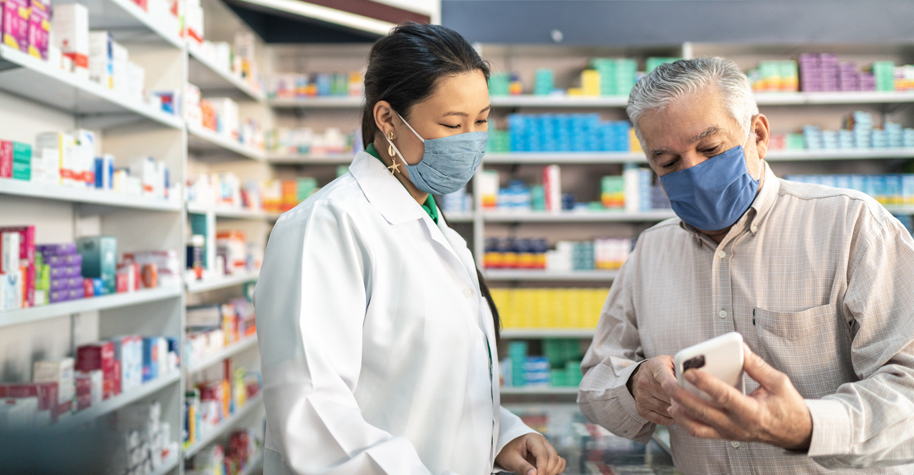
[{"x": 707, "y": 133}]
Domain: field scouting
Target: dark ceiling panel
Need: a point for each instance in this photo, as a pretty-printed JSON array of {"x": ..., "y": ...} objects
[
  {"x": 664, "y": 22},
  {"x": 282, "y": 27}
]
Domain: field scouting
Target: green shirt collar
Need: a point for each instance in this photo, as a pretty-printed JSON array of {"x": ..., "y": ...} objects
[{"x": 429, "y": 206}]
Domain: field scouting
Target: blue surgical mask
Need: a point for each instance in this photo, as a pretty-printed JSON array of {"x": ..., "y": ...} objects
[
  {"x": 714, "y": 194},
  {"x": 448, "y": 163}
]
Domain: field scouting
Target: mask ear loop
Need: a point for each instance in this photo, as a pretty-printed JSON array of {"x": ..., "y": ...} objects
[
  {"x": 410, "y": 128},
  {"x": 751, "y": 132}
]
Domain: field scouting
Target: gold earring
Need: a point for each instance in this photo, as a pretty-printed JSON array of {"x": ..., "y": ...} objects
[{"x": 394, "y": 166}]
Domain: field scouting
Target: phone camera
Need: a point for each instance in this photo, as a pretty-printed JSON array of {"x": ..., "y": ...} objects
[{"x": 693, "y": 363}]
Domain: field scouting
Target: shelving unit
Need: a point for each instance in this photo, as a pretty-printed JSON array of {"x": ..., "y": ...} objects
[
  {"x": 108, "y": 199},
  {"x": 207, "y": 141},
  {"x": 537, "y": 333},
  {"x": 224, "y": 427},
  {"x": 107, "y": 302},
  {"x": 206, "y": 74},
  {"x": 333, "y": 102},
  {"x": 121, "y": 400},
  {"x": 226, "y": 353},
  {"x": 496, "y": 275},
  {"x": 232, "y": 212},
  {"x": 576, "y": 217},
  {"x": 127, "y": 16}
]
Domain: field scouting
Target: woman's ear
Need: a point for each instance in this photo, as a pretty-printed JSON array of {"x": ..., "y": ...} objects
[{"x": 383, "y": 117}]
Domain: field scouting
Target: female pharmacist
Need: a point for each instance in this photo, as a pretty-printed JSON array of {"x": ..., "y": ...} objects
[{"x": 377, "y": 333}]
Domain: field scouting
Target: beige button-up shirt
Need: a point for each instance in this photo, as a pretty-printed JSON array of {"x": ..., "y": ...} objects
[{"x": 820, "y": 283}]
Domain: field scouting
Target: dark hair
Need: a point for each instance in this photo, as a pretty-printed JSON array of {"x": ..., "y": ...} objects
[{"x": 404, "y": 68}]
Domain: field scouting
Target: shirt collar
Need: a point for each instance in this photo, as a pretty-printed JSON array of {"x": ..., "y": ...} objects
[
  {"x": 754, "y": 217},
  {"x": 383, "y": 190}
]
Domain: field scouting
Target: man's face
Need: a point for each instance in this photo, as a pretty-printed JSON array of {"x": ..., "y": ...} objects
[{"x": 695, "y": 128}]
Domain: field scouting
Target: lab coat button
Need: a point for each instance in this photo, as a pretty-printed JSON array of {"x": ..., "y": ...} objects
[{"x": 468, "y": 292}]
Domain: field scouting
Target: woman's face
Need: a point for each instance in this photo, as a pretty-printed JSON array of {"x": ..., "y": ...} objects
[{"x": 459, "y": 104}]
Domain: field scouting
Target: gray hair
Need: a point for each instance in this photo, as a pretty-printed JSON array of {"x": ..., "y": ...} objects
[{"x": 671, "y": 81}]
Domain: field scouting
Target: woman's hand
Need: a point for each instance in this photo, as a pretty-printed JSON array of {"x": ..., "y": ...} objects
[{"x": 530, "y": 454}]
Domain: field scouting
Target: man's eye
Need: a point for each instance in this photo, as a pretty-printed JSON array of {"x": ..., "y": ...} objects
[
  {"x": 710, "y": 150},
  {"x": 669, "y": 165}
]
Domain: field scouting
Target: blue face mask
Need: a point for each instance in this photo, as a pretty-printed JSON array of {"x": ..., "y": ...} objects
[
  {"x": 448, "y": 163},
  {"x": 714, "y": 194}
]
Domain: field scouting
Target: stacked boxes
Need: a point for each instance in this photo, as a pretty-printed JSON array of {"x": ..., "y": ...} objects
[
  {"x": 146, "y": 439},
  {"x": 64, "y": 265},
  {"x": 566, "y": 133},
  {"x": 40, "y": 411},
  {"x": 15, "y": 26},
  {"x": 39, "y": 28},
  {"x": 99, "y": 260},
  {"x": 17, "y": 266},
  {"x": 771, "y": 76},
  {"x": 61, "y": 373},
  {"x": 549, "y": 308},
  {"x": 559, "y": 367},
  {"x": 893, "y": 189},
  {"x": 101, "y": 357},
  {"x": 15, "y": 160},
  {"x": 616, "y": 75},
  {"x": 71, "y": 35},
  {"x": 884, "y": 75}
]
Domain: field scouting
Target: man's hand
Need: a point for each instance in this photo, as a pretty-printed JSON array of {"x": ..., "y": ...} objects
[
  {"x": 775, "y": 413},
  {"x": 647, "y": 387},
  {"x": 530, "y": 454}
]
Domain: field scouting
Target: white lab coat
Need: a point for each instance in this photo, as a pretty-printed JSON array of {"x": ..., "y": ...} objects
[{"x": 378, "y": 350}]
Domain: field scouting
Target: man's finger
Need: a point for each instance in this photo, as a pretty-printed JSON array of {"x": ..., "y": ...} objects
[
  {"x": 759, "y": 370},
  {"x": 702, "y": 411},
  {"x": 693, "y": 427},
  {"x": 722, "y": 393},
  {"x": 662, "y": 419}
]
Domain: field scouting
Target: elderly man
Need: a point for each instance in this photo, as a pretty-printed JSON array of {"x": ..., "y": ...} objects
[{"x": 819, "y": 281}]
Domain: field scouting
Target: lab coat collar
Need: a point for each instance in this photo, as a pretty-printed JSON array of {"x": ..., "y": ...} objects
[{"x": 383, "y": 190}]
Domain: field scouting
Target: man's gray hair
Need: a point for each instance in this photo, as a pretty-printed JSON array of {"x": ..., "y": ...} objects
[{"x": 671, "y": 81}]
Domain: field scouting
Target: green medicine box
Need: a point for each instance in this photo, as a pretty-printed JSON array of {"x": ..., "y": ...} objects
[
  {"x": 99, "y": 259},
  {"x": 22, "y": 161}
]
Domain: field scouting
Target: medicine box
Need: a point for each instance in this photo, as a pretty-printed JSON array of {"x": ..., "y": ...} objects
[
  {"x": 15, "y": 160},
  {"x": 71, "y": 35},
  {"x": 99, "y": 259},
  {"x": 83, "y": 158},
  {"x": 39, "y": 28},
  {"x": 104, "y": 172},
  {"x": 59, "y": 371},
  {"x": 15, "y": 24},
  {"x": 101, "y": 59},
  {"x": 65, "y": 147}
]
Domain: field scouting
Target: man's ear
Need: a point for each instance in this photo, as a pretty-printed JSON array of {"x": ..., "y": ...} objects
[{"x": 762, "y": 134}]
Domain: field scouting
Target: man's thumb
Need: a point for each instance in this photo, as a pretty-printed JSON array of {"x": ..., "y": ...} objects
[{"x": 759, "y": 370}]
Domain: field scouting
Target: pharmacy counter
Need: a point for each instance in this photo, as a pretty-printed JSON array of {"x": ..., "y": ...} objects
[{"x": 591, "y": 450}]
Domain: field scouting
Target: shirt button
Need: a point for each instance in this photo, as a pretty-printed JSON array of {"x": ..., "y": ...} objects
[
  {"x": 734, "y": 444},
  {"x": 721, "y": 254},
  {"x": 753, "y": 228},
  {"x": 722, "y": 314},
  {"x": 468, "y": 292}
]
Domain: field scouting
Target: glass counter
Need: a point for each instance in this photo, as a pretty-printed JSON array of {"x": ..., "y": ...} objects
[{"x": 592, "y": 450}]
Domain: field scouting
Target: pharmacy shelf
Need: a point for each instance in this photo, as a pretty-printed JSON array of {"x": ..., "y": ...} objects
[
  {"x": 168, "y": 464},
  {"x": 209, "y": 76},
  {"x": 125, "y": 16},
  {"x": 204, "y": 140},
  {"x": 232, "y": 212},
  {"x": 551, "y": 158},
  {"x": 223, "y": 426},
  {"x": 292, "y": 159},
  {"x": 900, "y": 209},
  {"x": 558, "y": 101},
  {"x": 117, "y": 402},
  {"x": 85, "y": 195},
  {"x": 536, "y": 333},
  {"x": 42, "y": 82},
  {"x": 330, "y": 102},
  {"x": 545, "y": 275},
  {"x": 460, "y": 217},
  {"x": 847, "y": 154},
  {"x": 224, "y": 354},
  {"x": 195, "y": 286},
  {"x": 254, "y": 465},
  {"x": 34, "y": 314},
  {"x": 766, "y": 98},
  {"x": 537, "y": 391},
  {"x": 810, "y": 98},
  {"x": 576, "y": 217}
]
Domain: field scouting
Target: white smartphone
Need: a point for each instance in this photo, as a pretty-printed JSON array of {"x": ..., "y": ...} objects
[{"x": 722, "y": 357}]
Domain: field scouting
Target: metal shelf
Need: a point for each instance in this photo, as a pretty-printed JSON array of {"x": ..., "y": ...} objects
[
  {"x": 545, "y": 275},
  {"x": 116, "y": 402},
  {"x": 536, "y": 333},
  {"x": 42, "y": 82},
  {"x": 224, "y": 426},
  {"x": 34, "y": 314},
  {"x": 195, "y": 286},
  {"x": 847, "y": 154},
  {"x": 232, "y": 212},
  {"x": 528, "y": 100},
  {"x": 765, "y": 98},
  {"x": 326, "y": 102},
  {"x": 551, "y": 158},
  {"x": 224, "y": 354},
  {"x": 209, "y": 76},
  {"x": 537, "y": 391},
  {"x": 292, "y": 159},
  {"x": 204, "y": 140},
  {"x": 573, "y": 217},
  {"x": 93, "y": 196},
  {"x": 123, "y": 18}
]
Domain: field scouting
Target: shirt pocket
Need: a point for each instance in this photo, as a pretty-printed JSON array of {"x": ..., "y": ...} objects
[{"x": 810, "y": 347}]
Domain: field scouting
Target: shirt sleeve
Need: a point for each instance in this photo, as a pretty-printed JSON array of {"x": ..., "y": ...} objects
[
  {"x": 870, "y": 422},
  {"x": 610, "y": 361},
  {"x": 510, "y": 427},
  {"x": 310, "y": 303}
]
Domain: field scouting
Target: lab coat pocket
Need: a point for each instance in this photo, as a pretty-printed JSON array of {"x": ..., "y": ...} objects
[{"x": 809, "y": 346}]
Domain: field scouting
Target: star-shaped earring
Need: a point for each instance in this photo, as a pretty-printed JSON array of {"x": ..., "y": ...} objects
[{"x": 394, "y": 167}]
